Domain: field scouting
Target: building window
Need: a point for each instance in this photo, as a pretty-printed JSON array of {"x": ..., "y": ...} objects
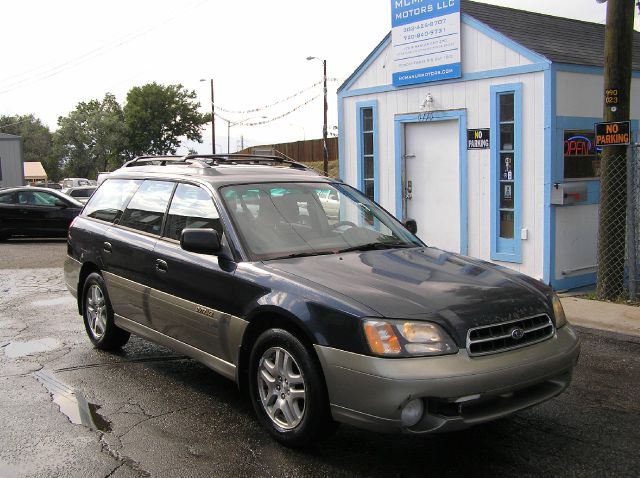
[
  {"x": 367, "y": 149},
  {"x": 506, "y": 172},
  {"x": 581, "y": 158}
]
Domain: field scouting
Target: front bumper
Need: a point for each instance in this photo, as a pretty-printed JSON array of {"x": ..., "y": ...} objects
[{"x": 457, "y": 390}]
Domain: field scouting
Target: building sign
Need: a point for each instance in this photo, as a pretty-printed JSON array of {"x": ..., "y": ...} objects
[
  {"x": 613, "y": 134},
  {"x": 425, "y": 40},
  {"x": 478, "y": 138}
]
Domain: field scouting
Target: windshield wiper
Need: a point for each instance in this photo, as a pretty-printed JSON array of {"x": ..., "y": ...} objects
[
  {"x": 374, "y": 246},
  {"x": 304, "y": 254}
]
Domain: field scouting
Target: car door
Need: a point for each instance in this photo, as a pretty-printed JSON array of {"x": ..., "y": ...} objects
[
  {"x": 195, "y": 299},
  {"x": 43, "y": 213},
  {"x": 127, "y": 250},
  {"x": 7, "y": 213}
]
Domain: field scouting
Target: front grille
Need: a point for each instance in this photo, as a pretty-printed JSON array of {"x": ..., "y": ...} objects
[{"x": 495, "y": 338}]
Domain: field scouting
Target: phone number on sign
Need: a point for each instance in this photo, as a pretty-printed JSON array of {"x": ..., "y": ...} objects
[
  {"x": 422, "y": 35},
  {"x": 421, "y": 26}
]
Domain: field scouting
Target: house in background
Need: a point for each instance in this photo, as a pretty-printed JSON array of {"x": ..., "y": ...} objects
[
  {"x": 11, "y": 173},
  {"x": 498, "y": 160},
  {"x": 34, "y": 173}
]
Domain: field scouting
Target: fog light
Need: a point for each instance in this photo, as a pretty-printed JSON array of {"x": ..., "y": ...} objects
[{"x": 412, "y": 412}]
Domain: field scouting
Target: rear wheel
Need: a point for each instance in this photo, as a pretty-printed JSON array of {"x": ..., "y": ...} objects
[
  {"x": 98, "y": 315},
  {"x": 287, "y": 390}
]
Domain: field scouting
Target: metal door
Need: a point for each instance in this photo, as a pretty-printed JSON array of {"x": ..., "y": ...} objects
[{"x": 432, "y": 181}]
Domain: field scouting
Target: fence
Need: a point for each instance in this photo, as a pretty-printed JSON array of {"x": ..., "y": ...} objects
[
  {"x": 619, "y": 233},
  {"x": 302, "y": 151}
]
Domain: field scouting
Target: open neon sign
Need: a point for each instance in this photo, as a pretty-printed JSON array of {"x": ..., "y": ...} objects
[{"x": 579, "y": 146}]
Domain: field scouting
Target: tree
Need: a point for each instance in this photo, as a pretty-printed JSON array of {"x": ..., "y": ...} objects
[
  {"x": 36, "y": 141},
  {"x": 92, "y": 138},
  {"x": 158, "y": 117}
]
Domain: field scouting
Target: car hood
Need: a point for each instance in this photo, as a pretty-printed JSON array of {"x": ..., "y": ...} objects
[{"x": 425, "y": 284}]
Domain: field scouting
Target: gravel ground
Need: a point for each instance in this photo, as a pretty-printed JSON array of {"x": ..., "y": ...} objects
[{"x": 32, "y": 253}]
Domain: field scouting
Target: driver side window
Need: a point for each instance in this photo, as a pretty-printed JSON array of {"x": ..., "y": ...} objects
[{"x": 191, "y": 207}]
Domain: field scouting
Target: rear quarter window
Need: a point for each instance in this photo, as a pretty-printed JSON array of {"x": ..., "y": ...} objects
[
  {"x": 6, "y": 198},
  {"x": 110, "y": 199}
]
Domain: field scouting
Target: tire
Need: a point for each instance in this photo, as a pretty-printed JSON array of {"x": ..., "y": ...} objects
[
  {"x": 287, "y": 390},
  {"x": 98, "y": 315}
]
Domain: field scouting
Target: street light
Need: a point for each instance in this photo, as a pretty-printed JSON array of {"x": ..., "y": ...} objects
[
  {"x": 325, "y": 151},
  {"x": 213, "y": 119},
  {"x": 230, "y": 124}
]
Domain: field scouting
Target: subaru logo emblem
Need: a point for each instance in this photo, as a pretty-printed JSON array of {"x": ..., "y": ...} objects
[{"x": 517, "y": 333}]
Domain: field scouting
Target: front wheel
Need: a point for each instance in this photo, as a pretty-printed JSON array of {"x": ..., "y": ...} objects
[
  {"x": 98, "y": 315},
  {"x": 287, "y": 390}
]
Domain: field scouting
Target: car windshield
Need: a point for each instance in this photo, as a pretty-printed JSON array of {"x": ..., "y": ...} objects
[{"x": 281, "y": 220}]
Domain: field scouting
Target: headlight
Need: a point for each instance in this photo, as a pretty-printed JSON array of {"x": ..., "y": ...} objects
[
  {"x": 407, "y": 339},
  {"x": 558, "y": 311}
]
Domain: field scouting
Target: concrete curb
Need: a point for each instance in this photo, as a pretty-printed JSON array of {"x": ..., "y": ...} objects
[{"x": 595, "y": 314}]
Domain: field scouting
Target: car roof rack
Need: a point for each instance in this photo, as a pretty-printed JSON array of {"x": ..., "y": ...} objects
[{"x": 211, "y": 160}]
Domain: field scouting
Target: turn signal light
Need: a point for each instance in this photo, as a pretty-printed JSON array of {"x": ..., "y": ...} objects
[{"x": 382, "y": 340}]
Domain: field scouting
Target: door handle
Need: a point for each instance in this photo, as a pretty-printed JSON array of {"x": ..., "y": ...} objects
[
  {"x": 161, "y": 266},
  {"x": 106, "y": 247}
]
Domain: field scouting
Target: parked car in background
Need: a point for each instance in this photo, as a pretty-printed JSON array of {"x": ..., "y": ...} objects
[
  {"x": 32, "y": 211},
  {"x": 48, "y": 184},
  {"x": 81, "y": 193},
  {"x": 75, "y": 182},
  {"x": 330, "y": 203}
]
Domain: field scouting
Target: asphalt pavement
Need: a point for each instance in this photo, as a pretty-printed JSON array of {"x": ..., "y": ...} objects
[{"x": 70, "y": 410}]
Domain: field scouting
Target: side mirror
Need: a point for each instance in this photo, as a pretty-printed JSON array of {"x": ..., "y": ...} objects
[
  {"x": 411, "y": 225},
  {"x": 202, "y": 241},
  {"x": 60, "y": 203}
]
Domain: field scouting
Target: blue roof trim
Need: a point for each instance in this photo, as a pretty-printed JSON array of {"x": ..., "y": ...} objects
[
  {"x": 589, "y": 70},
  {"x": 464, "y": 18},
  {"x": 348, "y": 83},
  {"x": 476, "y": 75}
]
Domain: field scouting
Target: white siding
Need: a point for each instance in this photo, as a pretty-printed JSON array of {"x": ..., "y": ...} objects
[
  {"x": 11, "y": 161},
  {"x": 474, "y": 96},
  {"x": 479, "y": 53},
  {"x": 581, "y": 94}
]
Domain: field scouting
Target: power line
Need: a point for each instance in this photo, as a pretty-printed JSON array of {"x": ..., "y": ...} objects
[
  {"x": 260, "y": 108},
  {"x": 59, "y": 68},
  {"x": 274, "y": 118}
]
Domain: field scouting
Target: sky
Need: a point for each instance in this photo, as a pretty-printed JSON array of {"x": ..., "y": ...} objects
[{"x": 56, "y": 54}]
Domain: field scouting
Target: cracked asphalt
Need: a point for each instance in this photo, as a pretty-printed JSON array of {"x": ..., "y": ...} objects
[{"x": 170, "y": 416}]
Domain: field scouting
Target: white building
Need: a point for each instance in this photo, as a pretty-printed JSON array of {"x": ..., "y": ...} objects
[
  {"x": 535, "y": 82},
  {"x": 11, "y": 173}
]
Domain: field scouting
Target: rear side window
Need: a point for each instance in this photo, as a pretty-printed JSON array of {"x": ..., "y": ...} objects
[
  {"x": 37, "y": 198},
  {"x": 146, "y": 210},
  {"x": 6, "y": 198},
  {"x": 82, "y": 193},
  {"x": 191, "y": 207},
  {"x": 109, "y": 201}
]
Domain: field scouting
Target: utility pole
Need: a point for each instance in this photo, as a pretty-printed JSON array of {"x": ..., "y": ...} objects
[
  {"x": 213, "y": 119},
  {"x": 325, "y": 150},
  {"x": 613, "y": 172}
]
